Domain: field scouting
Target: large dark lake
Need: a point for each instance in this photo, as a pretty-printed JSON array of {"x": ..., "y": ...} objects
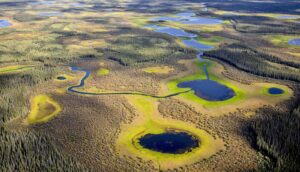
[
  {"x": 209, "y": 90},
  {"x": 170, "y": 142}
]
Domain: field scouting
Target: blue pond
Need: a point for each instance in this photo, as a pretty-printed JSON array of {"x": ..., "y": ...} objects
[
  {"x": 50, "y": 14},
  {"x": 275, "y": 91},
  {"x": 209, "y": 90},
  {"x": 295, "y": 42},
  {"x": 189, "y": 18},
  {"x": 169, "y": 142},
  {"x": 172, "y": 31},
  {"x": 4, "y": 23}
]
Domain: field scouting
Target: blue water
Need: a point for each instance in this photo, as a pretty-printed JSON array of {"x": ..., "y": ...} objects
[
  {"x": 209, "y": 90},
  {"x": 287, "y": 17},
  {"x": 82, "y": 81},
  {"x": 295, "y": 42},
  {"x": 190, "y": 18},
  {"x": 4, "y": 23},
  {"x": 42, "y": 3},
  {"x": 206, "y": 89},
  {"x": 50, "y": 14},
  {"x": 172, "y": 31},
  {"x": 197, "y": 45},
  {"x": 275, "y": 91},
  {"x": 169, "y": 142}
]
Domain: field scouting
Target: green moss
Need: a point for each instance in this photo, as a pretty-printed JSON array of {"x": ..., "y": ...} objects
[
  {"x": 15, "y": 68},
  {"x": 103, "y": 71}
]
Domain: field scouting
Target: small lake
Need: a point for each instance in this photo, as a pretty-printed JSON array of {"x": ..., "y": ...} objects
[
  {"x": 61, "y": 78},
  {"x": 209, "y": 90},
  {"x": 4, "y": 23},
  {"x": 190, "y": 18},
  {"x": 295, "y": 42},
  {"x": 50, "y": 14},
  {"x": 172, "y": 31},
  {"x": 170, "y": 142},
  {"x": 275, "y": 91}
]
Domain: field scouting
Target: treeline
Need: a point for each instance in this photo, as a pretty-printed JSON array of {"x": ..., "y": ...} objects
[
  {"x": 258, "y": 63},
  {"x": 144, "y": 48},
  {"x": 27, "y": 150},
  {"x": 278, "y": 134},
  {"x": 261, "y": 24}
]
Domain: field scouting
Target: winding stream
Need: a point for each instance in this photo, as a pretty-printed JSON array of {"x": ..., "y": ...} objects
[
  {"x": 88, "y": 73},
  {"x": 206, "y": 89}
]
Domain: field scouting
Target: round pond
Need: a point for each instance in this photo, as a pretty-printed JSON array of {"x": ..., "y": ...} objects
[
  {"x": 171, "y": 142},
  {"x": 275, "y": 91}
]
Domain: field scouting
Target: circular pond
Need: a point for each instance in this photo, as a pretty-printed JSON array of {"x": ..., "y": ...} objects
[
  {"x": 275, "y": 91},
  {"x": 4, "y": 23},
  {"x": 209, "y": 90},
  {"x": 61, "y": 78},
  {"x": 169, "y": 142},
  {"x": 295, "y": 42}
]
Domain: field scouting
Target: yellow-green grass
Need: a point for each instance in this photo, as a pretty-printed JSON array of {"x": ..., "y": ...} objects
[
  {"x": 213, "y": 41},
  {"x": 172, "y": 86},
  {"x": 150, "y": 122},
  {"x": 102, "y": 72},
  {"x": 282, "y": 40},
  {"x": 43, "y": 109},
  {"x": 158, "y": 69},
  {"x": 15, "y": 69},
  {"x": 200, "y": 27}
]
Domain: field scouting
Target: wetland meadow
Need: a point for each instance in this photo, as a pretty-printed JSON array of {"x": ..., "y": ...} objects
[{"x": 149, "y": 85}]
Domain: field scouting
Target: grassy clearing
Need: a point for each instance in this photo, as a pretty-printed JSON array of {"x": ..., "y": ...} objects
[
  {"x": 158, "y": 70},
  {"x": 43, "y": 109},
  {"x": 15, "y": 69},
  {"x": 150, "y": 121},
  {"x": 282, "y": 40},
  {"x": 199, "y": 27},
  {"x": 102, "y": 72}
]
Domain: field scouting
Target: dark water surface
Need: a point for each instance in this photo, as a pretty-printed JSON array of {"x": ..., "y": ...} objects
[
  {"x": 209, "y": 90},
  {"x": 170, "y": 142},
  {"x": 61, "y": 78},
  {"x": 275, "y": 91}
]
